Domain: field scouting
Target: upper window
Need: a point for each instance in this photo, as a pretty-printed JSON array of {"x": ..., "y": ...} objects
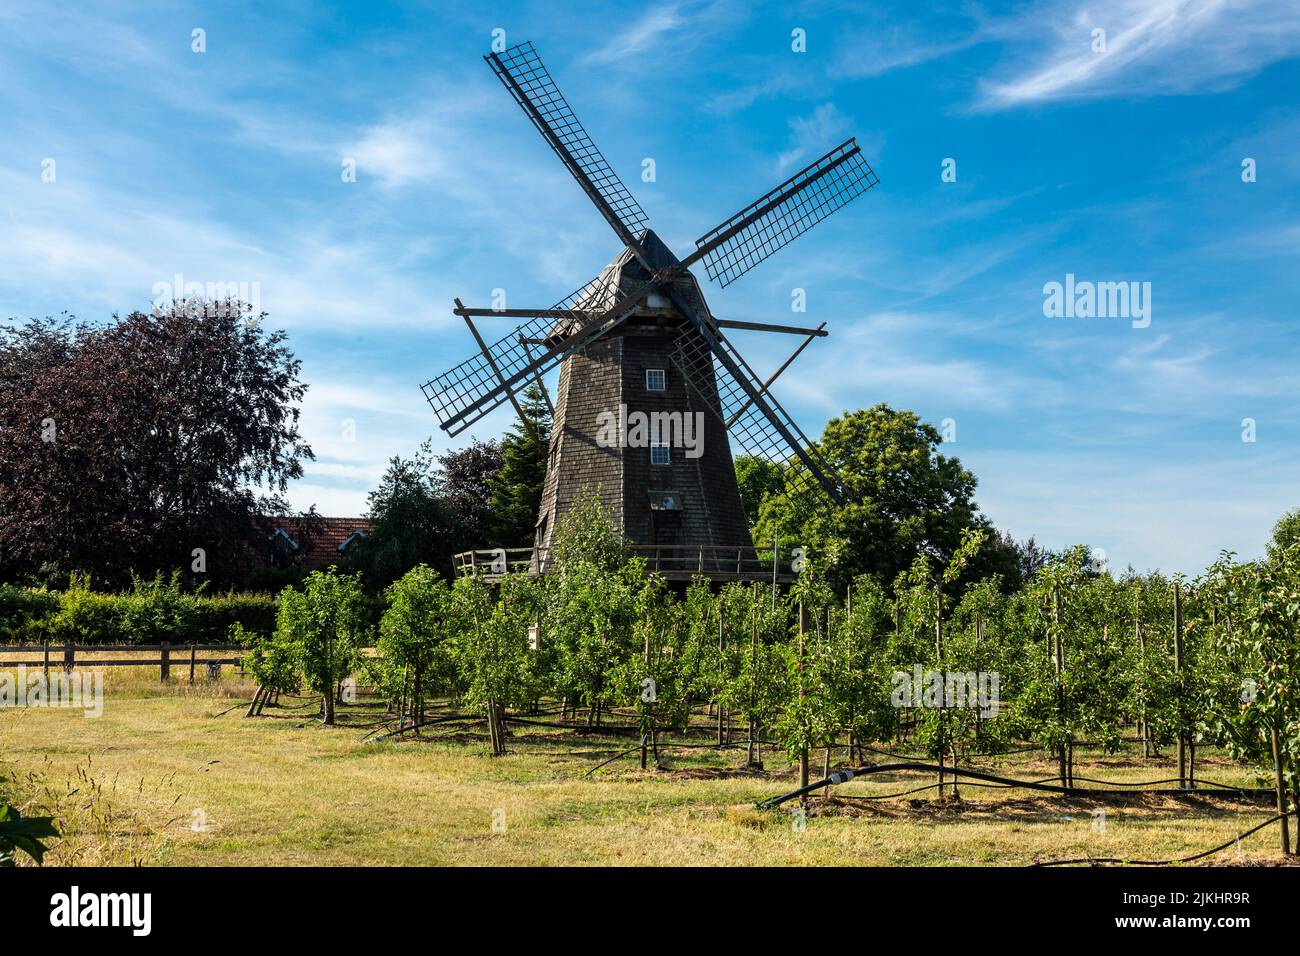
[
  {"x": 655, "y": 380},
  {"x": 659, "y": 454}
]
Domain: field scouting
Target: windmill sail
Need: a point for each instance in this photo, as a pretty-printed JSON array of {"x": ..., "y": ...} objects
[
  {"x": 772, "y": 221},
  {"x": 752, "y": 426},
  {"x": 521, "y": 71}
]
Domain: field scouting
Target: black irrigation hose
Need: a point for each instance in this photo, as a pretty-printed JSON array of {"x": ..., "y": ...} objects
[
  {"x": 1152, "y": 783},
  {"x": 933, "y": 786},
  {"x": 444, "y": 719},
  {"x": 843, "y": 776},
  {"x": 616, "y": 757},
  {"x": 613, "y": 730},
  {"x": 1183, "y": 859}
]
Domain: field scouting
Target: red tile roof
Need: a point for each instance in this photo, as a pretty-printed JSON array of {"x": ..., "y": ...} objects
[{"x": 324, "y": 546}]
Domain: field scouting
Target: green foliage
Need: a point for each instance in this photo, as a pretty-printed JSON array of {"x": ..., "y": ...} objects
[
  {"x": 86, "y": 616},
  {"x": 416, "y": 632},
  {"x": 411, "y": 522},
  {"x": 212, "y": 616},
  {"x": 1286, "y": 534},
  {"x": 24, "y": 611},
  {"x": 758, "y": 479},
  {"x": 587, "y": 535},
  {"x": 23, "y": 834},
  {"x": 492, "y": 652},
  {"x": 324, "y": 625},
  {"x": 516, "y": 488},
  {"x": 272, "y": 659},
  {"x": 911, "y": 500},
  {"x": 156, "y": 610}
]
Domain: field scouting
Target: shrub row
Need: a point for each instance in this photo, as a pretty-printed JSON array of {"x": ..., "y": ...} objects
[{"x": 148, "y": 614}]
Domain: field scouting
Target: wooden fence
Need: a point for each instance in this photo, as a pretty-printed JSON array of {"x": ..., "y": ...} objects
[{"x": 65, "y": 656}]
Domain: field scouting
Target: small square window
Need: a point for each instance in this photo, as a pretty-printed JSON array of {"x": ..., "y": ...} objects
[
  {"x": 655, "y": 380},
  {"x": 659, "y": 454}
]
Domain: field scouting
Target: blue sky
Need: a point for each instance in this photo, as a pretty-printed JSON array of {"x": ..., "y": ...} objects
[{"x": 1122, "y": 165}]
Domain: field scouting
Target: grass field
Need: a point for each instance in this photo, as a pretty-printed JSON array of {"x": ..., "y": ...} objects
[{"x": 171, "y": 775}]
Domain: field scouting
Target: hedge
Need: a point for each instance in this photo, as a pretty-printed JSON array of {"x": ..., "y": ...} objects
[
  {"x": 213, "y": 616},
  {"x": 144, "y": 616},
  {"x": 22, "y": 609}
]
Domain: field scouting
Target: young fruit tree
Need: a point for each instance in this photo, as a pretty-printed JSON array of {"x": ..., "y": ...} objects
[{"x": 325, "y": 624}]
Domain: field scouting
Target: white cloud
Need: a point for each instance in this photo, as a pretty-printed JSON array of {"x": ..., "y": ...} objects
[
  {"x": 1152, "y": 46},
  {"x": 398, "y": 152},
  {"x": 813, "y": 134},
  {"x": 645, "y": 33}
]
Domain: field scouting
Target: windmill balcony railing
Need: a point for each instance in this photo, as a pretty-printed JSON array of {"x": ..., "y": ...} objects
[{"x": 673, "y": 562}]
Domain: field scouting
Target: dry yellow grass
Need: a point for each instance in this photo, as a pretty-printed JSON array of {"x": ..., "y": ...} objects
[{"x": 189, "y": 784}]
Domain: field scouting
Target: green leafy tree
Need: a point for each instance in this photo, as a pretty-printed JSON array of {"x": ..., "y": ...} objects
[
  {"x": 910, "y": 499},
  {"x": 923, "y": 593},
  {"x": 759, "y": 686},
  {"x": 416, "y": 632},
  {"x": 326, "y": 624},
  {"x": 493, "y": 653},
  {"x": 157, "y": 610},
  {"x": 411, "y": 523},
  {"x": 1257, "y": 632},
  {"x": 759, "y": 479},
  {"x": 273, "y": 660}
]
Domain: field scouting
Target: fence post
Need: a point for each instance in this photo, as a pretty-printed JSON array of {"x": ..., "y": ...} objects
[
  {"x": 69, "y": 657},
  {"x": 45, "y": 656},
  {"x": 803, "y": 692},
  {"x": 166, "y": 665},
  {"x": 1178, "y": 667},
  {"x": 191, "y": 664}
]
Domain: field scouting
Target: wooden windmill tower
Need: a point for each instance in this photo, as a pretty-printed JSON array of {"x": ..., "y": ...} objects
[{"x": 652, "y": 394}]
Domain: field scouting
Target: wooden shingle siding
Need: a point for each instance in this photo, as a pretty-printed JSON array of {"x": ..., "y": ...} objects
[{"x": 610, "y": 372}]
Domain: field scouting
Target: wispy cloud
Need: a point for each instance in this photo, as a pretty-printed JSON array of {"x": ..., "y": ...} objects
[
  {"x": 1151, "y": 47},
  {"x": 397, "y": 152},
  {"x": 813, "y": 134},
  {"x": 883, "y": 49},
  {"x": 641, "y": 36}
]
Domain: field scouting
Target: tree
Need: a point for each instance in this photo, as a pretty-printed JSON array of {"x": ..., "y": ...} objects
[
  {"x": 464, "y": 482},
  {"x": 910, "y": 498},
  {"x": 1255, "y": 712},
  {"x": 591, "y": 596},
  {"x": 415, "y": 633},
  {"x": 758, "y": 479},
  {"x": 516, "y": 488},
  {"x": 325, "y": 624},
  {"x": 411, "y": 523},
  {"x": 1286, "y": 533},
  {"x": 128, "y": 445},
  {"x": 492, "y": 650}
]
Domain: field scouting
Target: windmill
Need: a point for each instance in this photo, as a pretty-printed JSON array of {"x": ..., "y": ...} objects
[{"x": 640, "y": 339}]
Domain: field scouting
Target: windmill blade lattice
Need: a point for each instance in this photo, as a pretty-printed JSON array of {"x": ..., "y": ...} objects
[
  {"x": 465, "y": 393},
  {"x": 753, "y": 430},
  {"x": 521, "y": 71},
  {"x": 771, "y": 222}
]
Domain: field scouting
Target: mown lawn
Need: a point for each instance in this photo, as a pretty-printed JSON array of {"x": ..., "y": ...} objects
[{"x": 165, "y": 777}]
